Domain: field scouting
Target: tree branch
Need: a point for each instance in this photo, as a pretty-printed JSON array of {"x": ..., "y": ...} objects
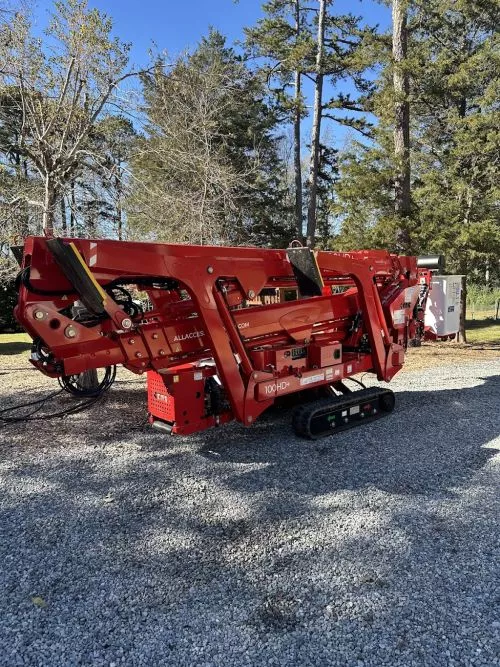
[{"x": 61, "y": 98}]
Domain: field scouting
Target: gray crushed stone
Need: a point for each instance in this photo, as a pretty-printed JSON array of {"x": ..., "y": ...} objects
[{"x": 120, "y": 545}]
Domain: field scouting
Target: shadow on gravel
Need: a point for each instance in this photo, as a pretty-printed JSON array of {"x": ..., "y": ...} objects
[
  {"x": 125, "y": 523},
  {"x": 14, "y": 348},
  {"x": 432, "y": 442}
]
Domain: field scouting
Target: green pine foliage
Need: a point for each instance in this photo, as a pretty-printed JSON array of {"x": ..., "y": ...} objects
[{"x": 453, "y": 62}]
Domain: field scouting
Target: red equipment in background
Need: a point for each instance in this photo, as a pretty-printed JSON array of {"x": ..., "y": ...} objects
[{"x": 214, "y": 350}]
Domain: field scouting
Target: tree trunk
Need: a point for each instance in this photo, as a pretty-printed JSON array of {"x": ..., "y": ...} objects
[
  {"x": 402, "y": 201},
  {"x": 72, "y": 218},
  {"x": 297, "y": 166},
  {"x": 316, "y": 129},
  {"x": 25, "y": 220},
  {"x": 296, "y": 140},
  {"x": 64, "y": 222},
  {"x": 119, "y": 212},
  {"x": 462, "y": 333},
  {"x": 119, "y": 216},
  {"x": 49, "y": 204}
]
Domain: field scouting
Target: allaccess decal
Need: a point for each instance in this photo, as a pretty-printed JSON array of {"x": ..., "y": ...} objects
[{"x": 188, "y": 336}]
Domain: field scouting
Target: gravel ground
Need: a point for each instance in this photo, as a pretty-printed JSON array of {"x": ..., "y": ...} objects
[{"x": 122, "y": 546}]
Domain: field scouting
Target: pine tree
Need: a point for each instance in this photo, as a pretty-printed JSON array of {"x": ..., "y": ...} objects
[
  {"x": 284, "y": 44},
  {"x": 453, "y": 63},
  {"x": 113, "y": 141},
  {"x": 456, "y": 99},
  {"x": 314, "y": 162},
  {"x": 401, "y": 83},
  {"x": 297, "y": 40}
]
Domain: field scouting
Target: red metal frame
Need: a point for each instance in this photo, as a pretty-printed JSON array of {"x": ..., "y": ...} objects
[{"x": 259, "y": 352}]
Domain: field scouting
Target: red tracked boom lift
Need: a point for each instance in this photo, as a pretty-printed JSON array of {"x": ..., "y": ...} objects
[{"x": 213, "y": 349}]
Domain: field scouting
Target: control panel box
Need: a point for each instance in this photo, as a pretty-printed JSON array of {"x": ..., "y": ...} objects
[
  {"x": 442, "y": 312},
  {"x": 321, "y": 356}
]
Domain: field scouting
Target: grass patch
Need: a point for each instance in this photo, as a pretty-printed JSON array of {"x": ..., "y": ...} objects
[
  {"x": 14, "y": 343},
  {"x": 473, "y": 315},
  {"x": 483, "y": 331}
]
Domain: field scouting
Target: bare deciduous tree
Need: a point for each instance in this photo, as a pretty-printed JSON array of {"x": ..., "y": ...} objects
[
  {"x": 185, "y": 185},
  {"x": 61, "y": 86}
]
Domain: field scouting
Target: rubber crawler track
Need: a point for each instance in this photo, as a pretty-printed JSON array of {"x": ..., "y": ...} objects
[{"x": 373, "y": 403}]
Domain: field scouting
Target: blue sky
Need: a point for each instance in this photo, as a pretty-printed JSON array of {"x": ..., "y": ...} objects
[{"x": 176, "y": 26}]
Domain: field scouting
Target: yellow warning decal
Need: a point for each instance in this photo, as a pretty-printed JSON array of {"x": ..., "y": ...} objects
[
  {"x": 315, "y": 255},
  {"x": 102, "y": 293}
]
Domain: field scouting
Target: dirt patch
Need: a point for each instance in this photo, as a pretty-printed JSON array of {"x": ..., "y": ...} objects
[{"x": 432, "y": 354}]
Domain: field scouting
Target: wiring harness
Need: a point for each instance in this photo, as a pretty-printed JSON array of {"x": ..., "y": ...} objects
[{"x": 73, "y": 384}]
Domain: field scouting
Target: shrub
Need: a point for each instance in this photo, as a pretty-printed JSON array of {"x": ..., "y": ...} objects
[
  {"x": 8, "y": 300},
  {"x": 482, "y": 299}
]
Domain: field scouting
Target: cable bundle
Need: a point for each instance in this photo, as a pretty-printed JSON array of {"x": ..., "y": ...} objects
[
  {"x": 69, "y": 383},
  {"x": 74, "y": 384}
]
